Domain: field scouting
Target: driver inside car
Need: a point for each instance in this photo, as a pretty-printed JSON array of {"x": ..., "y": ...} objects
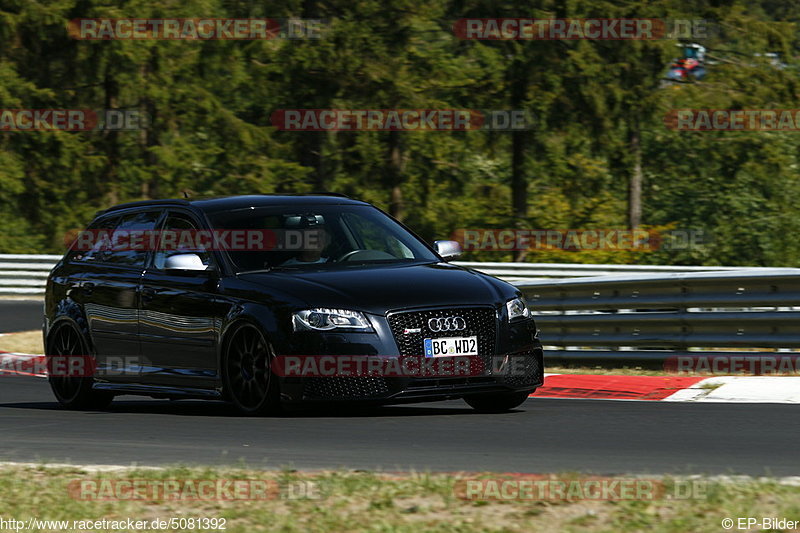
[{"x": 315, "y": 240}]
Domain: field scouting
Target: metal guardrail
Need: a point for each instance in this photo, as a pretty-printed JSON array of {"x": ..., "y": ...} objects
[
  {"x": 645, "y": 319},
  {"x": 27, "y": 274},
  {"x": 526, "y": 271}
]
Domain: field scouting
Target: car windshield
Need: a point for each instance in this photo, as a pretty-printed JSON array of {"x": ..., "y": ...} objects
[{"x": 316, "y": 237}]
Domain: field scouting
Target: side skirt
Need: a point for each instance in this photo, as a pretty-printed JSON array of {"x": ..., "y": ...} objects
[{"x": 158, "y": 391}]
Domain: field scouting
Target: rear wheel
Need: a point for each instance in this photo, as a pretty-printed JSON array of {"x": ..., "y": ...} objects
[
  {"x": 73, "y": 392},
  {"x": 497, "y": 402},
  {"x": 249, "y": 382}
]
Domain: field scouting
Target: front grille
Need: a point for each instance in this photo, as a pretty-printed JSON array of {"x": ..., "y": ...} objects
[
  {"x": 480, "y": 321},
  {"x": 345, "y": 388}
]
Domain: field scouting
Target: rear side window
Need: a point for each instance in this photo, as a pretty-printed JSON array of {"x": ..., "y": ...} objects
[
  {"x": 90, "y": 248},
  {"x": 121, "y": 251}
]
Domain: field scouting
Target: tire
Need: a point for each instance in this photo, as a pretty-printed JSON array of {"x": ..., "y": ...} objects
[
  {"x": 73, "y": 392},
  {"x": 248, "y": 380},
  {"x": 497, "y": 402}
]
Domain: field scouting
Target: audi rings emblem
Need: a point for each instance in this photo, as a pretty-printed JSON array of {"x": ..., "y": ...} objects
[{"x": 448, "y": 323}]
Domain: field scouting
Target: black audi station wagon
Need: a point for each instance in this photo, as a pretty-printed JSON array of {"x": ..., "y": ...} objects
[{"x": 256, "y": 287}]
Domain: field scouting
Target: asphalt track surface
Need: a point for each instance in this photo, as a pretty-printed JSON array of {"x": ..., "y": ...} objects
[
  {"x": 20, "y": 315},
  {"x": 544, "y": 435}
]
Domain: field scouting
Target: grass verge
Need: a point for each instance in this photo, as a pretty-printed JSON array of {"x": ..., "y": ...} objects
[
  {"x": 23, "y": 342},
  {"x": 373, "y": 502}
]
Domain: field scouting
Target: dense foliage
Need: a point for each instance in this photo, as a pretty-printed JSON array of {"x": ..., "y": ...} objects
[{"x": 598, "y": 109}]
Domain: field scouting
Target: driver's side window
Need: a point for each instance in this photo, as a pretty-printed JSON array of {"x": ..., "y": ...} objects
[{"x": 179, "y": 236}]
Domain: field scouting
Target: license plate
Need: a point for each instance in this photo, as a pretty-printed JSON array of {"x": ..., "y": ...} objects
[{"x": 451, "y": 346}]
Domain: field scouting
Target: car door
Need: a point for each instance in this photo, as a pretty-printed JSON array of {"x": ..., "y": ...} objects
[
  {"x": 109, "y": 290},
  {"x": 180, "y": 315}
]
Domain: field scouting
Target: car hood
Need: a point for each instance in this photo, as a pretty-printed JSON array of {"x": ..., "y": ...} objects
[{"x": 382, "y": 288}]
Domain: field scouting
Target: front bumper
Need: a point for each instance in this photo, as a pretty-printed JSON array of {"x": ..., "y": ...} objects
[
  {"x": 401, "y": 390},
  {"x": 386, "y": 390},
  {"x": 517, "y": 340}
]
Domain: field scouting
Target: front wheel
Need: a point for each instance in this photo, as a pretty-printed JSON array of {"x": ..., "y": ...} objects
[
  {"x": 74, "y": 391},
  {"x": 497, "y": 402},
  {"x": 249, "y": 382}
]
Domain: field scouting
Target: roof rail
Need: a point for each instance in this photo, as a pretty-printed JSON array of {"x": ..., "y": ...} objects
[{"x": 142, "y": 203}]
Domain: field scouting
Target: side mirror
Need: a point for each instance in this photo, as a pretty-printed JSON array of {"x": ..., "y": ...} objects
[
  {"x": 447, "y": 250},
  {"x": 182, "y": 263}
]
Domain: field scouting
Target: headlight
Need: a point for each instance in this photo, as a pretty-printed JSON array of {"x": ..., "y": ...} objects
[
  {"x": 326, "y": 319},
  {"x": 517, "y": 309}
]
